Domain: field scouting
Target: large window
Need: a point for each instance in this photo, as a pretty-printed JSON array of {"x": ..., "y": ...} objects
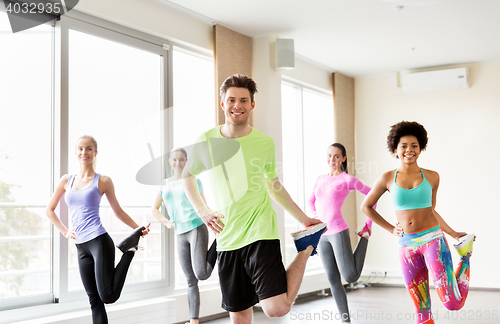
[
  {"x": 193, "y": 113},
  {"x": 125, "y": 88},
  {"x": 307, "y": 133},
  {"x": 25, "y": 160},
  {"x": 113, "y": 90}
]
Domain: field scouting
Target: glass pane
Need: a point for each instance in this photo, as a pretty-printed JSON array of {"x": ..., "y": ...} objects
[
  {"x": 318, "y": 135},
  {"x": 194, "y": 113},
  {"x": 115, "y": 96},
  {"x": 25, "y": 268},
  {"x": 25, "y": 112},
  {"x": 307, "y": 132},
  {"x": 25, "y": 160},
  {"x": 292, "y": 171}
]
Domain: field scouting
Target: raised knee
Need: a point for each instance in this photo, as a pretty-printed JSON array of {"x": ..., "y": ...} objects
[
  {"x": 108, "y": 299},
  {"x": 202, "y": 276},
  {"x": 351, "y": 279},
  {"x": 453, "y": 307},
  {"x": 277, "y": 310}
]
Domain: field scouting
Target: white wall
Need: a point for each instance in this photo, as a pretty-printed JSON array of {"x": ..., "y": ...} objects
[
  {"x": 310, "y": 74},
  {"x": 463, "y": 147}
]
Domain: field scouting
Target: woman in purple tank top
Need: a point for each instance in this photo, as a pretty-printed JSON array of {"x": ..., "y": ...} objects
[{"x": 96, "y": 251}]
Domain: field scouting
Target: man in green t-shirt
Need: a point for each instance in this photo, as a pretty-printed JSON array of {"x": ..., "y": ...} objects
[{"x": 240, "y": 161}]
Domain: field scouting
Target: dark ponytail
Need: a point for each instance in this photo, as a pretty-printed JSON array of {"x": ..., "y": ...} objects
[{"x": 343, "y": 166}]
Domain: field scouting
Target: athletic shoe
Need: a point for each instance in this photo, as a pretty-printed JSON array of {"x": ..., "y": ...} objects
[
  {"x": 464, "y": 245},
  {"x": 364, "y": 230},
  {"x": 132, "y": 241},
  {"x": 308, "y": 236}
]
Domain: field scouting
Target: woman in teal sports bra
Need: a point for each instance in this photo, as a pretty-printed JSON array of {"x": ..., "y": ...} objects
[{"x": 423, "y": 249}]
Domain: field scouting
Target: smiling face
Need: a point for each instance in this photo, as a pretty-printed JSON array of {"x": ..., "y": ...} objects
[
  {"x": 177, "y": 161},
  {"x": 237, "y": 106},
  {"x": 408, "y": 149},
  {"x": 85, "y": 150},
  {"x": 334, "y": 159}
]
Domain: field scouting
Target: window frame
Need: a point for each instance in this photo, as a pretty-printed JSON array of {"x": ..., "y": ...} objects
[
  {"x": 103, "y": 29},
  {"x": 299, "y": 88},
  {"x": 44, "y": 298},
  {"x": 60, "y": 295}
]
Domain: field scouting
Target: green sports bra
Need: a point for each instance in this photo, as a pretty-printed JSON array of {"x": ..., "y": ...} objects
[{"x": 415, "y": 198}]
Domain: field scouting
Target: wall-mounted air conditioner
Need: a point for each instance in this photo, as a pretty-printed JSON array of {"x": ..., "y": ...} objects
[{"x": 434, "y": 80}]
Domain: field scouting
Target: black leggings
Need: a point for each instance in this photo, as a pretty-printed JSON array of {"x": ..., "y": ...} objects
[{"x": 103, "y": 283}]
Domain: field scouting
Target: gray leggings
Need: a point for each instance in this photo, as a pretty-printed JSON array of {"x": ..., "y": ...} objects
[
  {"x": 336, "y": 254},
  {"x": 192, "y": 250}
]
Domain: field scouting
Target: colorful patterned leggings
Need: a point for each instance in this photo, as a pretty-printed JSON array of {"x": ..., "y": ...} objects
[{"x": 427, "y": 251}]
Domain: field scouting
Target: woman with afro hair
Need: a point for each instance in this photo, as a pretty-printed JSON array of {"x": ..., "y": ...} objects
[{"x": 423, "y": 249}]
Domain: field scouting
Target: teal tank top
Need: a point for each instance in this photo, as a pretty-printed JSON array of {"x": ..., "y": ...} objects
[{"x": 415, "y": 198}]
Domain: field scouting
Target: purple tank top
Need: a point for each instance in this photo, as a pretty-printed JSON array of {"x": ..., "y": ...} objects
[{"x": 84, "y": 210}]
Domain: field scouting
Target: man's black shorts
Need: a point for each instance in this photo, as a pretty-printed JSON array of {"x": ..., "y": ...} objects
[{"x": 250, "y": 274}]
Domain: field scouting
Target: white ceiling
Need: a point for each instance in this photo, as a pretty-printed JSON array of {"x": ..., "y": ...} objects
[{"x": 368, "y": 37}]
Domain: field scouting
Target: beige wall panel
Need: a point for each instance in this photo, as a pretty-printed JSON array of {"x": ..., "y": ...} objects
[
  {"x": 343, "y": 101},
  {"x": 233, "y": 54}
]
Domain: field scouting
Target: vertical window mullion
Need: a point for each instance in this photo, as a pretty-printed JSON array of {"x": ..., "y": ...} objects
[
  {"x": 168, "y": 240},
  {"x": 300, "y": 148},
  {"x": 60, "y": 157}
]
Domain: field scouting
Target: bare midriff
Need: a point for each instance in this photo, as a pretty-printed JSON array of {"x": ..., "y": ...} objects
[{"x": 414, "y": 220}]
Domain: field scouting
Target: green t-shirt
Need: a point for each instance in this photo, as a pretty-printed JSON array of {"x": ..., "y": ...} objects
[{"x": 237, "y": 170}]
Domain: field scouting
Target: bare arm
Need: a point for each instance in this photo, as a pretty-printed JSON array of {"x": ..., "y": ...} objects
[
  {"x": 378, "y": 189},
  {"x": 52, "y": 205},
  {"x": 447, "y": 229},
  {"x": 281, "y": 196},
  {"x": 204, "y": 199},
  {"x": 107, "y": 188},
  {"x": 209, "y": 217},
  {"x": 158, "y": 215}
]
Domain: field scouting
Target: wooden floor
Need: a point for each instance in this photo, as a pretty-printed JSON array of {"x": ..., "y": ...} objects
[{"x": 376, "y": 305}]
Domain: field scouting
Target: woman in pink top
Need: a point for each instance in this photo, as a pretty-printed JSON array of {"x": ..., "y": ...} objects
[{"x": 329, "y": 193}]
